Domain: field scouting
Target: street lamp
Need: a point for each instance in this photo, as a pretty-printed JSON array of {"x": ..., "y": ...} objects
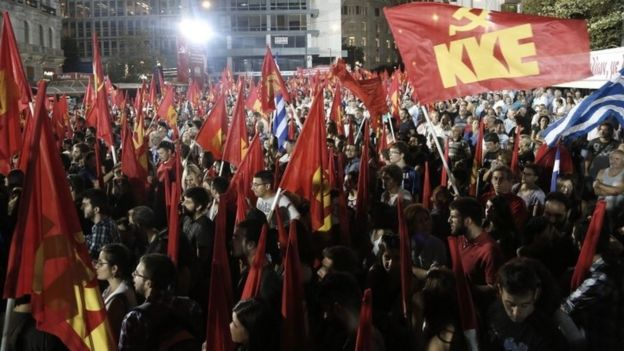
[{"x": 195, "y": 30}]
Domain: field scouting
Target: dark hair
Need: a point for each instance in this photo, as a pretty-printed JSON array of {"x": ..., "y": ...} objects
[
  {"x": 160, "y": 270},
  {"x": 199, "y": 196},
  {"x": 410, "y": 213},
  {"x": 97, "y": 198},
  {"x": 440, "y": 301},
  {"x": 389, "y": 241},
  {"x": 250, "y": 229},
  {"x": 343, "y": 259},
  {"x": 340, "y": 288},
  {"x": 401, "y": 146},
  {"x": 468, "y": 208},
  {"x": 260, "y": 322},
  {"x": 558, "y": 196},
  {"x": 143, "y": 217},
  {"x": 119, "y": 255},
  {"x": 535, "y": 168},
  {"x": 506, "y": 171},
  {"x": 15, "y": 178},
  {"x": 166, "y": 145},
  {"x": 491, "y": 137},
  {"x": 517, "y": 277},
  {"x": 395, "y": 172},
  {"x": 265, "y": 176},
  {"x": 220, "y": 184}
]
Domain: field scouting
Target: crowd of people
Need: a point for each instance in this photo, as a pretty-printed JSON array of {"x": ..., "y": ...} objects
[{"x": 519, "y": 238}]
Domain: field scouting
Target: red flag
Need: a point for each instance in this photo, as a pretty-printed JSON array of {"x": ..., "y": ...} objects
[
  {"x": 25, "y": 148},
  {"x": 364, "y": 338},
  {"x": 218, "y": 336},
  {"x": 588, "y": 250},
  {"x": 48, "y": 257},
  {"x": 254, "y": 278},
  {"x": 467, "y": 315},
  {"x": 516, "y": 151},
  {"x": 253, "y": 100},
  {"x": 227, "y": 82},
  {"x": 444, "y": 175},
  {"x": 477, "y": 161},
  {"x": 426, "y": 193},
  {"x": 102, "y": 115},
  {"x": 210, "y": 136},
  {"x": 395, "y": 97},
  {"x": 153, "y": 91},
  {"x": 130, "y": 161},
  {"x": 406, "y": 264},
  {"x": 193, "y": 94},
  {"x": 340, "y": 71},
  {"x": 272, "y": 83},
  {"x": 251, "y": 164},
  {"x": 362, "y": 201},
  {"x": 465, "y": 51},
  {"x": 15, "y": 92},
  {"x": 173, "y": 219},
  {"x": 236, "y": 143},
  {"x": 306, "y": 173},
  {"x": 89, "y": 103},
  {"x": 167, "y": 110},
  {"x": 294, "y": 336},
  {"x": 376, "y": 104},
  {"x": 336, "y": 110}
]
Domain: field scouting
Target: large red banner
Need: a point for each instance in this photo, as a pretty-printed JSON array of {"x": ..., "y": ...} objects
[{"x": 452, "y": 51}]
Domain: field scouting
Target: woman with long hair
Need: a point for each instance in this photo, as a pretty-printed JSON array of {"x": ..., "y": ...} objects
[{"x": 254, "y": 326}]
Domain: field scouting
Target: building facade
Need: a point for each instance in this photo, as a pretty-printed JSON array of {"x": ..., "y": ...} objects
[{"x": 37, "y": 27}]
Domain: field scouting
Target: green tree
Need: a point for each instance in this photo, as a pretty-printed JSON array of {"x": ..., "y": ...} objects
[
  {"x": 72, "y": 55},
  {"x": 137, "y": 58},
  {"x": 605, "y": 18},
  {"x": 354, "y": 53}
]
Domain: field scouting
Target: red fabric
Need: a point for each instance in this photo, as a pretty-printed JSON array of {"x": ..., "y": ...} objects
[
  {"x": 395, "y": 97},
  {"x": 426, "y": 194},
  {"x": 362, "y": 201},
  {"x": 227, "y": 81},
  {"x": 89, "y": 103},
  {"x": 477, "y": 161},
  {"x": 254, "y": 278},
  {"x": 130, "y": 163},
  {"x": 467, "y": 314},
  {"x": 516, "y": 205},
  {"x": 218, "y": 336},
  {"x": 468, "y": 51},
  {"x": 103, "y": 129},
  {"x": 272, "y": 83},
  {"x": 340, "y": 71},
  {"x": 166, "y": 109},
  {"x": 251, "y": 164},
  {"x": 588, "y": 250},
  {"x": 336, "y": 110},
  {"x": 515, "y": 153},
  {"x": 406, "y": 262},
  {"x": 237, "y": 141},
  {"x": 48, "y": 258},
  {"x": 212, "y": 133},
  {"x": 294, "y": 335},
  {"x": 152, "y": 96},
  {"x": 306, "y": 173},
  {"x": 173, "y": 217},
  {"x": 376, "y": 105},
  {"x": 253, "y": 100},
  {"x": 545, "y": 157},
  {"x": 480, "y": 258},
  {"x": 364, "y": 337},
  {"x": 25, "y": 147},
  {"x": 444, "y": 175},
  {"x": 194, "y": 93},
  {"x": 15, "y": 92}
]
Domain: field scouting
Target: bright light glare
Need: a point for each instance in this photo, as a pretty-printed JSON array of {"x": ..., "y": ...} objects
[
  {"x": 196, "y": 31},
  {"x": 206, "y": 4}
]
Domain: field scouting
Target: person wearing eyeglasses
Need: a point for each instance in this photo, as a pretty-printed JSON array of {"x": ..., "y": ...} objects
[
  {"x": 262, "y": 187},
  {"x": 114, "y": 266}
]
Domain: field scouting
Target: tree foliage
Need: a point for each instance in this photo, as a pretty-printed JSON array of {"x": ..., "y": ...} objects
[
  {"x": 605, "y": 18},
  {"x": 354, "y": 54},
  {"x": 138, "y": 59}
]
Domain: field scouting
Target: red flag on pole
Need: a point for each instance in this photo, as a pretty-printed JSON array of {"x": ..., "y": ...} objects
[
  {"x": 167, "y": 110},
  {"x": 467, "y": 314},
  {"x": 102, "y": 115},
  {"x": 251, "y": 164},
  {"x": 444, "y": 175},
  {"x": 130, "y": 162},
  {"x": 218, "y": 336},
  {"x": 336, "y": 110},
  {"x": 212, "y": 133},
  {"x": 588, "y": 250},
  {"x": 406, "y": 264},
  {"x": 306, "y": 173},
  {"x": 15, "y": 92},
  {"x": 48, "y": 257},
  {"x": 272, "y": 83},
  {"x": 452, "y": 51},
  {"x": 294, "y": 336},
  {"x": 364, "y": 338},
  {"x": 173, "y": 219},
  {"x": 515, "y": 155},
  {"x": 426, "y": 194},
  {"x": 237, "y": 141},
  {"x": 254, "y": 278}
]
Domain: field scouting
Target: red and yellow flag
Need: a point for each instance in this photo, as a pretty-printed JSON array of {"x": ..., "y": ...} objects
[
  {"x": 307, "y": 171},
  {"x": 395, "y": 93},
  {"x": 102, "y": 115},
  {"x": 272, "y": 83},
  {"x": 131, "y": 163},
  {"x": 194, "y": 93},
  {"x": 48, "y": 258},
  {"x": 251, "y": 164},
  {"x": 167, "y": 110},
  {"x": 452, "y": 51},
  {"x": 253, "y": 102},
  {"x": 15, "y": 92},
  {"x": 336, "y": 110},
  {"x": 236, "y": 142},
  {"x": 212, "y": 133}
]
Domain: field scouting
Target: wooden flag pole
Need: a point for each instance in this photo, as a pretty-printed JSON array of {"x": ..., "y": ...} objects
[{"x": 440, "y": 152}]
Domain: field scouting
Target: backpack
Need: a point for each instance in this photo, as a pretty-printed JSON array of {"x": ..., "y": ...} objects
[{"x": 170, "y": 333}]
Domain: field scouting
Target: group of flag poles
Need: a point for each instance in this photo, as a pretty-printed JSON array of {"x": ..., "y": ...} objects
[{"x": 304, "y": 176}]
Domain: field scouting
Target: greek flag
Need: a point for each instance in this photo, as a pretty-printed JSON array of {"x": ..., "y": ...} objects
[
  {"x": 280, "y": 122},
  {"x": 606, "y": 101},
  {"x": 555, "y": 172}
]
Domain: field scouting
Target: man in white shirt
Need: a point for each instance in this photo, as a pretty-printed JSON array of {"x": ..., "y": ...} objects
[{"x": 262, "y": 186}]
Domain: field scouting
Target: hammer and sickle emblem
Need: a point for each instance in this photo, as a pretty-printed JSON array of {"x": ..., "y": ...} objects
[{"x": 474, "y": 21}]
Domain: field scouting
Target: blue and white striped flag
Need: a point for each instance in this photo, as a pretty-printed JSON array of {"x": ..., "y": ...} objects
[
  {"x": 280, "y": 122},
  {"x": 555, "y": 171},
  {"x": 582, "y": 118}
]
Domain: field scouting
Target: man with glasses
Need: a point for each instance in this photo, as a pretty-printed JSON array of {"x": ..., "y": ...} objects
[
  {"x": 163, "y": 317},
  {"x": 262, "y": 187}
]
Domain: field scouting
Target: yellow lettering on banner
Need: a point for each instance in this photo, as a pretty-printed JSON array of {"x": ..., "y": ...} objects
[
  {"x": 481, "y": 55},
  {"x": 474, "y": 21}
]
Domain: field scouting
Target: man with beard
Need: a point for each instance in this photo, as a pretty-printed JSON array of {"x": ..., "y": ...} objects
[
  {"x": 196, "y": 226},
  {"x": 481, "y": 257},
  {"x": 104, "y": 231}
]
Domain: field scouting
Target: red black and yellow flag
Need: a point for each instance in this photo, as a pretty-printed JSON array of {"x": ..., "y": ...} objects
[
  {"x": 212, "y": 133},
  {"x": 271, "y": 83}
]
